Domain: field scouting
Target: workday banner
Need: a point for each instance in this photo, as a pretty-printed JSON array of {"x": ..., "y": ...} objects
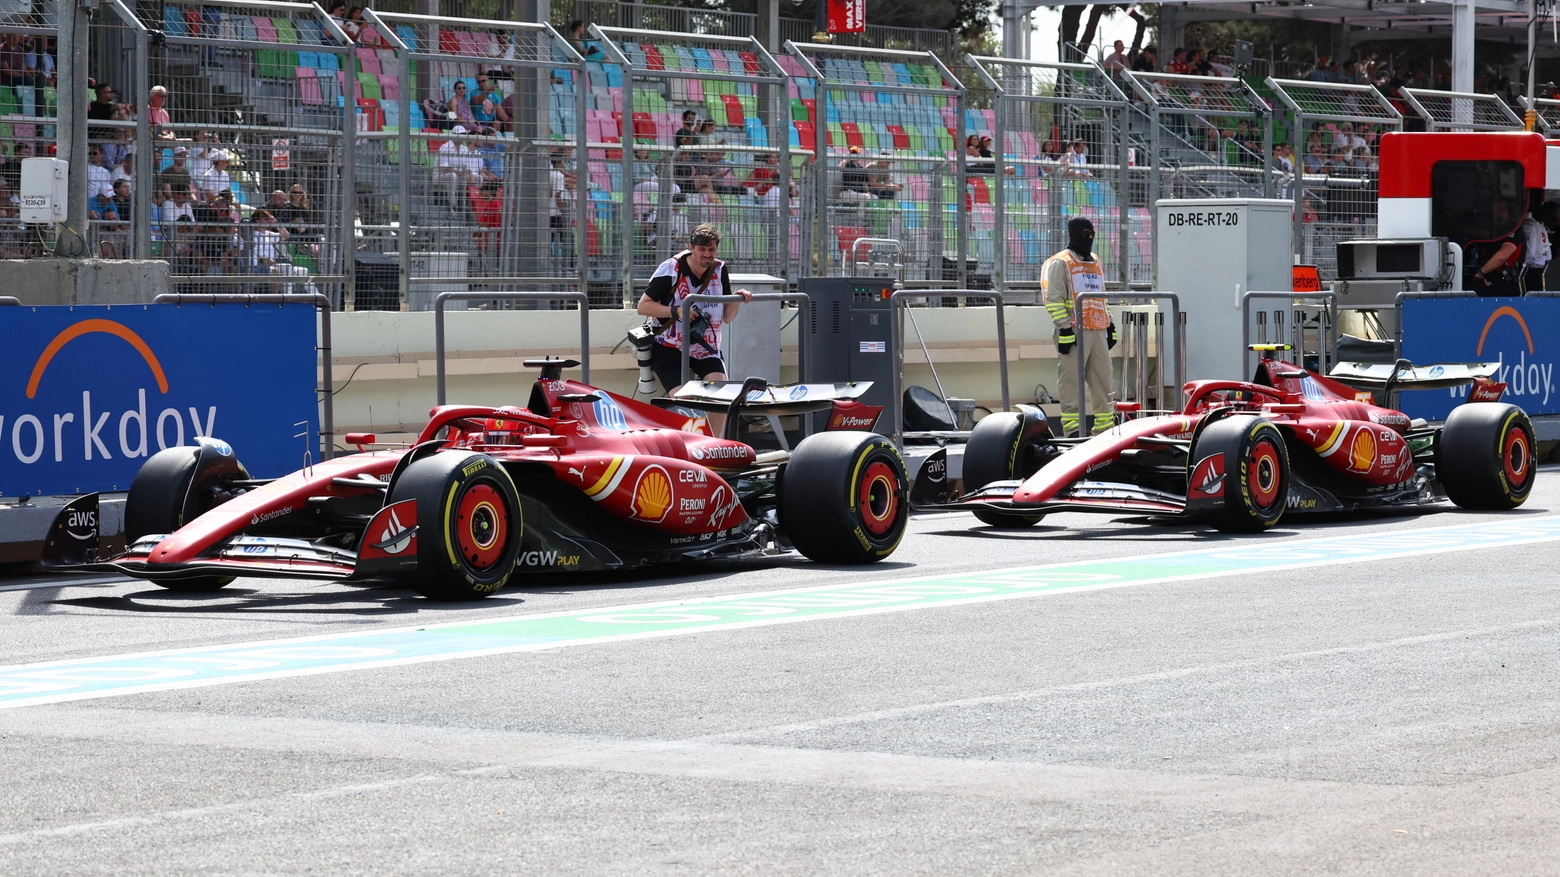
[
  {"x": 87, "y": 394},
  {"x": 1522, "y": 334}
]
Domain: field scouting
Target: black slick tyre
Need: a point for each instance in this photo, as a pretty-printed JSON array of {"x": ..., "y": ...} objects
[
  {"x": 171, "y": 489},
  {"x": 1484, "y": 457},
  {"x": 1002, "y": 447},
  {"x": 1255, "y": 468},
  {"x": 844, "y": 498},
  {"x": 468, "y": 523}
]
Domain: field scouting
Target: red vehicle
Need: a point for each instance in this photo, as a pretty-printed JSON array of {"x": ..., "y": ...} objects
[
  {"x": 579, "y": 479},
  {"x": 1240, "y": 454}
]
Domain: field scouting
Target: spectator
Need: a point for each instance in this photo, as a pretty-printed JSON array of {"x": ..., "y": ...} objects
[
  {"x": 644, "y": 168},
  {"x": 40, "y": 60},
  {"x": 157, "y": 114},
  {"x": 1178, "y": 62},
  {"x": 1197, "y": 63},
  {"x": 200, "y": 154},
  {"x": 1147, "y": 61},
  {"x": 125, "y": 169},
  {"x": 100, "y": 181},
  {"x": 352, "y": 23},
  {"x": 1217, "y": 68},
  {"x": 492, "y": 154},
  {"x": 13, "y": 61},
  {"x": 1075, "y": 162},
  {"x": 974, "y": 162},
  {"x": 458, "y": 163},
  {"x": 765, "y": 175},
  {"x": 175, "y": 205},
  {"x": 269, "y": 242},
  {"x": 688, "y": 134},
  {"x": 1117, "y": 61},
  {"x": 216, "y": 180},
  {"x": 721, "y": 174},
  {"x": 576, "y": 33},
  {"x": 1320, "y": 74},
  {"x": 487, "y": 105},
  {"x": 121, "y": 200},
  {"x": 458, "y": 108},
  {"x": 176, "y": 176},
  {"x": 298, "y": 215},
  {"x": 880, "y": 182},
  {"x": 11, "y": 167},
  {"x": 853, "y": 176},
  {"x": 706, "y": 133},
  {"x": 487, "y": 204},
  {"x": 1283, "y": 162},
  {"x": 102, "y": 109}
]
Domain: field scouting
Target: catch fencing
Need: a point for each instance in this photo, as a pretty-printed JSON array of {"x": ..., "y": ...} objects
[
  {"x": 28, "y": 99},
  {"x": 1055, "y": 156},
  {"x": 1333, "y": 171}
]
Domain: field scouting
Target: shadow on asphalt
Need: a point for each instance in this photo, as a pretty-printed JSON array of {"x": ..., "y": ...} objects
[
  {"x": 366, "y": 600},
  {"x": 1174, "y": 530}
]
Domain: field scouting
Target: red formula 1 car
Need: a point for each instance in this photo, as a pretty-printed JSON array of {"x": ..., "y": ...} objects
[
  {"x": 1240, "y": 454},
  {"x": 579, "y": 479}
]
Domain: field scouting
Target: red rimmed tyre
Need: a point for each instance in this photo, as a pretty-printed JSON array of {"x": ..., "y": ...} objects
[
  {"x": 1255, "y": 472},
  {"x": 844, "y": 497},
  {"x": 1484, "y": 457},
  {"x": 469, "y": 524}
]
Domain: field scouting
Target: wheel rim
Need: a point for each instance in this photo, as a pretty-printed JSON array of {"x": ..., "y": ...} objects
[
  {"x": 878, "y": 499},
  {"x": 481, "y": 526},
  {"x": 1516, "y": 457},
  {"x": 1265, "y": 474}
]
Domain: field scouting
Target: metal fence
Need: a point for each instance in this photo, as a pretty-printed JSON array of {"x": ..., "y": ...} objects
[
  {"x": 1056, "y": 154},
  {"x": 887, "y": 130},
  {"x": 27, "y": 111},
  {"x": 1460, "y": 111},
  {"x": 1334, "y": 172},
  {"x": 701, "y": 115}
]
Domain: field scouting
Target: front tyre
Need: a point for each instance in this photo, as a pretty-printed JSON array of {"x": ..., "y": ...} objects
[
  {"x": 176, "y": 486},
  {"x": 1484, "y": 458},
  {"x": 1004, "y": 446},
  {"x": 1255, "y": 467},
  {"x": 844, "y": 498},
  {"x": 469, "y": 524}
]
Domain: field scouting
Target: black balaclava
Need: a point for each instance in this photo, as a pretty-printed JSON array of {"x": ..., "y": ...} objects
[{"x": 1080, "y": 238}]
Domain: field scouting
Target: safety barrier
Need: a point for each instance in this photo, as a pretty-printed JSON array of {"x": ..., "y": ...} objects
[
  {"x": 1177, "y": 320},
  {"x": 1460, "y": 111},
  {"x": 898, "y": 302},
  {"x": 1289, "y": 324},
  {"x": 322, "y": 303},
  {"x": 579, "y": 298}
]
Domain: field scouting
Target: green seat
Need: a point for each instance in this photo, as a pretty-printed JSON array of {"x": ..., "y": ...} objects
[{"x": 370, "y": 85}]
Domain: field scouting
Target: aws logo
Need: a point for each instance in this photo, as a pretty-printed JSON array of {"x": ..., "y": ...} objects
[
  {"x": 1531, "y": 380},
  {"x": 33, "y": 433}
]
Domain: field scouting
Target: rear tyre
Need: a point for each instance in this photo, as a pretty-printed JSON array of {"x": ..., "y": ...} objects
[
  {"x": 844, "y": 497},
  {"x": 1484, "y": 458},
  {"x": 469, "y": 524},
  {"x": 176, "y": 486},
  {"x": 1256, "y": 472},
  {"x": 1003, "y": 447}
]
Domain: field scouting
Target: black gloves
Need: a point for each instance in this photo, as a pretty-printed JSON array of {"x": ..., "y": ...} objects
[
  {"x": 1110, "y": 336},
  {"x": 1065, "y": 341}
]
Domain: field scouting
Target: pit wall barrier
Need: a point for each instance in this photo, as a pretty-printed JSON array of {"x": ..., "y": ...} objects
[{"x": 1522, "y": 333}]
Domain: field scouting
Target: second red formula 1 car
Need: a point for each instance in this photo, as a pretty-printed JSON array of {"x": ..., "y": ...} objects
[
  {"x": 1239, "y": 454},
  {"x": 579, "y": 479}
]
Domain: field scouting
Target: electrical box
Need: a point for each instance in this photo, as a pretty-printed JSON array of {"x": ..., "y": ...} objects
[
  {"x": 750, "y": 344},
  {"x": 852, "y": 335},
  {"x": 1210, "y": 252},
  {"x": 43, "y": 193}
]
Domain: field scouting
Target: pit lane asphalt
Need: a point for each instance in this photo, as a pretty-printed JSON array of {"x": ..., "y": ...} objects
[{"x": 1360, "y": 718}]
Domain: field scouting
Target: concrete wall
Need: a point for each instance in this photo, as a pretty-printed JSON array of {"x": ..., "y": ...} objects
[
  {"x": 384, "y": 367},
  {"x": 82, "y": 281}
]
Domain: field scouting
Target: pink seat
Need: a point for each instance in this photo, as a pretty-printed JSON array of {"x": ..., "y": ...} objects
[
  {"x": 390, "y": 87},
  {"x": 308, "y": 86},
  {"x": 368, "y": 62}
]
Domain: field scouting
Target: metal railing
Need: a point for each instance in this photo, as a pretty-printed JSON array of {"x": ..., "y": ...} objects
[
  {"x": 1294, "y": 314},
  {"x": 445, "y": 297},
  {"x": 898, "y": 303},
  {"x": 801, "y": 299},
  {"x": 1177, "y": 320}
]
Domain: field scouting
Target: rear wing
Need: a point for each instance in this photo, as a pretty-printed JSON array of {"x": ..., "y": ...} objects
[{"x": 1404, "y": 375}]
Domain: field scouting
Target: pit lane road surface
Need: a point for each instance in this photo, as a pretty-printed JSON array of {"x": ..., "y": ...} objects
[{"x": 1091, "y": 696}]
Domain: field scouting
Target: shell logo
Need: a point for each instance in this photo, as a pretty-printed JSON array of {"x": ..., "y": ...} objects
[
  {"x": 652, "y": 495},
  {"x": 1362, "y": 455}
]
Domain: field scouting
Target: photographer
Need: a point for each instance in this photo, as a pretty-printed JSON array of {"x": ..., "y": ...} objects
[{"x": 694, "y": 271}]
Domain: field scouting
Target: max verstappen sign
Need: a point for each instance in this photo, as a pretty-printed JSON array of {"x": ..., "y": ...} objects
[
  {"x": 847, "y": 16},
  {"x": 87, "y": 394},
  {"x": 1520, "y": 333}
]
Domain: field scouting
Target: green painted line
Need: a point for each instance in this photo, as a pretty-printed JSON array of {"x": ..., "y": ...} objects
[{"x": 115, "y": 675}]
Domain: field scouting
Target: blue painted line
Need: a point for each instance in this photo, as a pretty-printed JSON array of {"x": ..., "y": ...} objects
[{"x": 115, "y": 675}]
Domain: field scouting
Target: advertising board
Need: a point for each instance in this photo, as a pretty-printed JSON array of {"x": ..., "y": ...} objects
[
  {"x": 88, "y": 394},
  {"x": 1522, "y": 334}
]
